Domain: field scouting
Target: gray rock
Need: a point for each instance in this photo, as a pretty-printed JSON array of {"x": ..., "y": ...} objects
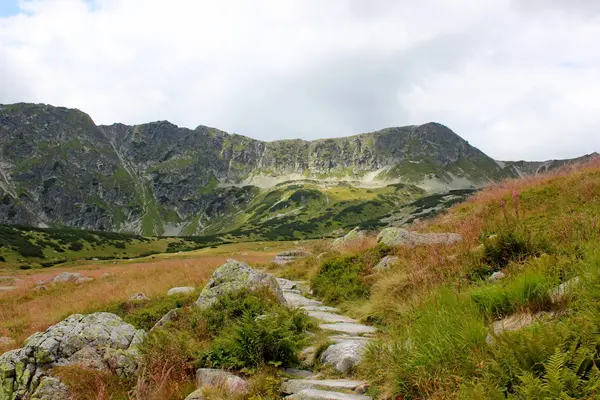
[
  {"x": 180, "y": 290},
  {"x": 51, "y": 388},
  {"x": 233, "y": 276},
  {"x": 207, "y": 377},
  {"x": 168, "y": 317},
  {"x": 138, "y": 297},
  {"x": 401, "y": 237},
  {"x": 290, "y": 256},
  {"x": 315, "y": 394},
  {"x": 286, "y": 284},
  {"x": 386, "y": 262},
  {"x": 496, "y": 276},
  {"x": 352, "y": 238},
  {"x": 344, "y": 356},
  {"x": 87, "y": 340},
  {"x": 517, "y": 321},
  {"x": 292, "y": 386}
]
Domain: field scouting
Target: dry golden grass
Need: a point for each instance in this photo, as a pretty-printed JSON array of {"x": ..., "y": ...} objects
[{"x": 25, "y": 311}]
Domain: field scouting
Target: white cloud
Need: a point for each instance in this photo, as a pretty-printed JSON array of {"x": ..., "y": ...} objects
[{"x": 519, "y": 79}]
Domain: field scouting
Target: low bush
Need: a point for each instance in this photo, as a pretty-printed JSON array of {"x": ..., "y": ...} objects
[{"x": 342, "y": 278}]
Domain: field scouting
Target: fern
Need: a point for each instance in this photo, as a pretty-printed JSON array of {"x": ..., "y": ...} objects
[{"x": 568, "y": 374}]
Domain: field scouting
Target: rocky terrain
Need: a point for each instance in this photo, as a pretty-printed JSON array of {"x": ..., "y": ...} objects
[{"x": 57, "y": 168}]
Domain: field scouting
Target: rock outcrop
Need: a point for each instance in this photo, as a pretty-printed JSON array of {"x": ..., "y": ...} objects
[
  {"x": 401, "y": 237},
  {"x": 233, "y": 276},
  {"x": 96, "y": 341}
]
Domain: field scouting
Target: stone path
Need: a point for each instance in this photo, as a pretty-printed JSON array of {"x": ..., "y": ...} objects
[{"x": 349, "y": 338}]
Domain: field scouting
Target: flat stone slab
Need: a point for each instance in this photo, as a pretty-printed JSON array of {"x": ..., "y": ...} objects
[
  {"x": 349, "y": 328},
  {"x": 296, "y": 291},
  {"x": 319, "y": 308},
  {"x": 314, "y": 394},
  {"x": 292, "y": 386},
  {"x": 297, "y": 300},
  {"x": 346, "y": 338},
  {"x": 299, "y": 373},
  {"x": 7, "y": 288},
  {"x": 330, "y": 317}
]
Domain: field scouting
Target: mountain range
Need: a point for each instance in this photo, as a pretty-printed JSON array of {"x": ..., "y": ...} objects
[{"x": 58, "y": 168}]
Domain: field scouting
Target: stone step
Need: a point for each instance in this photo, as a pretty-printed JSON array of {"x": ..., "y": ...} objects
[
  {"x": 292, "y": 386},
  {"x": 351, "y": 328},
  {"x": 347, "y": 338},
  {"x": 314, "y": 394},
  {"x": 330, "y": 317},
  {"x": 319, "y": 308},
  {"x": 297, "y": 300}
]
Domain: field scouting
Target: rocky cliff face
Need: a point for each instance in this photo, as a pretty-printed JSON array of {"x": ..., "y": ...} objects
[{"x": 58, "y": 168}]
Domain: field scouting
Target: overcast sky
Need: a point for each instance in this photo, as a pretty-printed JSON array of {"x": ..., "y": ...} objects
[{"x": 519, "y": 79}]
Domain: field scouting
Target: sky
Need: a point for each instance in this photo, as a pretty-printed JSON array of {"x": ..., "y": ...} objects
[{"x": 519, "y": 79}]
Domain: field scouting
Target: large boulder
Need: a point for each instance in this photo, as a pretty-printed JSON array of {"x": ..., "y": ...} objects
[
  {"x": 95, "y": 341},
  {"x": 208, "y": 377},
  {"x": 233, "y": 276},
  {"x": 401, "y": 237},
  {"x": 290, "y": 256},
  {"x": 353, "y": 238}
]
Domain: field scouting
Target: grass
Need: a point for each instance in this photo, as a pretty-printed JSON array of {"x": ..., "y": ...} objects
[{"x": 435, "y": 307}]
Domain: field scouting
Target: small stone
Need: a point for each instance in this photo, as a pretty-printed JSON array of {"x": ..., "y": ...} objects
[
  {"x": 168, "y": 317},
  {"x": 196, "y": 395},
  {"x": 6, "y": 341},
  {"x": 496, "y": 276},
  {"x": 139, "y": 297},
  {"x": 180, "y": 290},
  {"x": 208, "y": 377},
  {"x": 40, "y": 288}
]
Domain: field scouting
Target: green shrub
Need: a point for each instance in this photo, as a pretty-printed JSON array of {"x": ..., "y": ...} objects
[
  {"x": 530, "y": 289},
  {"x": 341, "y": 278},
  {"x": 512, "y": 245},
  {"x": 75, "y": 246}
]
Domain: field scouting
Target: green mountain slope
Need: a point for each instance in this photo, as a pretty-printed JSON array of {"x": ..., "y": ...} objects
[{"x": 57, "y": 168}]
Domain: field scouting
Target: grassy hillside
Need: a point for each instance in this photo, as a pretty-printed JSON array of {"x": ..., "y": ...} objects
[
  {"x": 310, "y": 210},
  {"x": 436, "y": 307},
  {"x": 28, "y": 247}
]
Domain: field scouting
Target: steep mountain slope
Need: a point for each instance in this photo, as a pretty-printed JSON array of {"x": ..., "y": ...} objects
[{"x": 57, "y": 168}]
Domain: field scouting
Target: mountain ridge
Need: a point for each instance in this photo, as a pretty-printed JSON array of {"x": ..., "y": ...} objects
[{"x": 58, "y": 168}]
